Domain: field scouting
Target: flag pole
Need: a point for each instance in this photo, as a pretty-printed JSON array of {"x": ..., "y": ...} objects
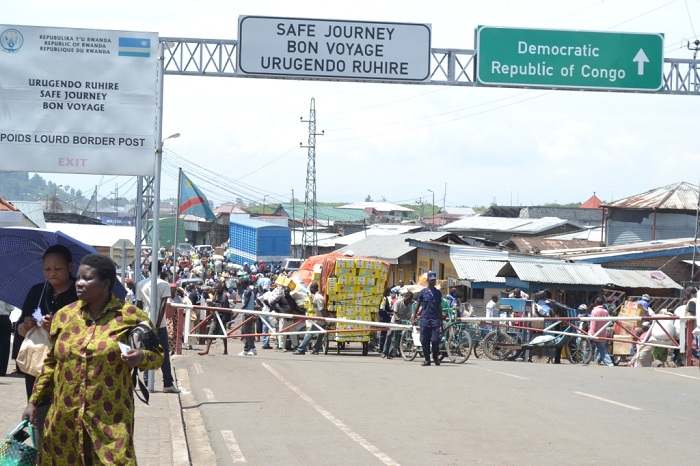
[{"x": 177, "y": 221}]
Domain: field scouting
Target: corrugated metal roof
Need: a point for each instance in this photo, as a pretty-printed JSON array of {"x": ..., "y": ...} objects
[
  {"x": 556, "y": 273},
  {"x": 325, "y": 214},
  {"x": 257, "y": 224},
  {"x": 512, "y": 225},
  {"x": 593, "y": 202},
  {"x": 229, "y": 209},
  {"x": 458, "y": 251},
  {"x": 677, "y": 196},
  {"x": 594, "y": 234},
  {"x": 610, "y": 252},
  {"x": 477, "y": 253},
  {"x": 641, "y": 279},
  {"x": 377, "y": 230},
  {"x": 478, "y": 270},
  {"x": 535, "y": 245},
  {"x": 33, "y": 210},
  {"x": 462, "y": 211},
  {"x": 325, "y": 240},
  {"x": 389, "y": 248},
  {"x": 378, "y": 206}
]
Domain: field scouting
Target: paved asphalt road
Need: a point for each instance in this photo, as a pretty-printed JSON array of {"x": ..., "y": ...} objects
[{"x": 279, "y": 408}]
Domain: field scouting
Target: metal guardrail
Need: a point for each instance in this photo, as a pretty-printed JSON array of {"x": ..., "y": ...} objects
[{"x": 549, "y": 325}]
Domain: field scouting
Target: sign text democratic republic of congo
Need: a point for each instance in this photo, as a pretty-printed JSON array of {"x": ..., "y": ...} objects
[
  {"x": 77, "y": 100},
  {"x": 569, "y": 59},
  {"x": 333, "y": 49}
]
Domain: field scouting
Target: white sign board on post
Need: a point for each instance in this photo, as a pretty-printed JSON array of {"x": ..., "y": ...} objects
[
  {"x": 331, "y": 49},
  {"x": 77, "y": 100}
]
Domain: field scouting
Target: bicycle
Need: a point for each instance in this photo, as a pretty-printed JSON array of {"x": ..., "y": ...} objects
[{"x": 455, "y": 343}]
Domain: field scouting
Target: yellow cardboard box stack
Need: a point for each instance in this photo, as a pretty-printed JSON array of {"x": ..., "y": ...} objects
[
  {"x": 355, "y": 293},
  {"x": 630, "y": 308}
]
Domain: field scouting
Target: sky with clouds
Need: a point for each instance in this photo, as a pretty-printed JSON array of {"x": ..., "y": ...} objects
[{"x": 471, "y": 146}]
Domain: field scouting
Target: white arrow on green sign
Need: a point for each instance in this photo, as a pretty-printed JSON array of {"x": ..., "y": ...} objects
[{"x": 569, "y": 59}]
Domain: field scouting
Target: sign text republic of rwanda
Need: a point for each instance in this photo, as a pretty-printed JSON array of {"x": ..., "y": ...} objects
[
  {"x": 333, "y": 49},
  {"x": 78, "y": 100}
]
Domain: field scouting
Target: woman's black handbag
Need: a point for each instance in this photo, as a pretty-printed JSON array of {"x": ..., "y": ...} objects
[{"x": 142, "y": 337}]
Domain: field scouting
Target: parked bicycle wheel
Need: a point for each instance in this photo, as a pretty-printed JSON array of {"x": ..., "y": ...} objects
[
  {"x": 539, "y": 355},
  {"x": 478, "y": 349},
  {"x": 407, "y": 348},
  {"x": 579, "y": 350},
  {"x": 497, "y": 345},
  {"x": 459, "y": 345}
]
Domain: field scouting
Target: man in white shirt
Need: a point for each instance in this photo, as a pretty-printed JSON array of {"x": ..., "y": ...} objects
[
  {"x": 143, "y": 301},
  {"x": 492, "y": 308}
]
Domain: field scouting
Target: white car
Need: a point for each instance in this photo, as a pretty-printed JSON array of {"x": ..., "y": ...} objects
[
  {"x": 203, "y": 249},
  {"x": 184, "y": 248},
  {"x": 292, "y": 265}
]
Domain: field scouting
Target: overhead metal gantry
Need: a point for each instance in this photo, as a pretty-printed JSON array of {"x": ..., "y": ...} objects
[{"x": 449, "y": 67}]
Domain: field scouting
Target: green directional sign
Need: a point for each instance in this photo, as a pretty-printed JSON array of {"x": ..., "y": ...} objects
[{"x": 569, "y": 59}]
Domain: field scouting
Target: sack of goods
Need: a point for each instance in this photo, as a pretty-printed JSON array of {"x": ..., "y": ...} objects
[{"x": 32, "y": 353}]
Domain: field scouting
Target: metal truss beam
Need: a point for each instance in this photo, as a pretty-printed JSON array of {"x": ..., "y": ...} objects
[
  {"x": 144, "y": 228},
  {"x": 449, "y": 67}
]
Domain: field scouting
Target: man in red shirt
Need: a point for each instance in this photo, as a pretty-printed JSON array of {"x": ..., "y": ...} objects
[{"x": 601, "y": 353}]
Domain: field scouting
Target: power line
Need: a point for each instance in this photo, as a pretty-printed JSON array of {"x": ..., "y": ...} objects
[
  {"x": 690, "y": 19},
  {"x": 220, "y": 185}
]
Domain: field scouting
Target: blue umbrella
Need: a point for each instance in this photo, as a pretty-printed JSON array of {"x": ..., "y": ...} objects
[{"x": 21, "y": 260}]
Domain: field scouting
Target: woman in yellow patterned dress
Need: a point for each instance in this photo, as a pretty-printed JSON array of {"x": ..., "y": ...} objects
[{"x": 91, "y": 419}]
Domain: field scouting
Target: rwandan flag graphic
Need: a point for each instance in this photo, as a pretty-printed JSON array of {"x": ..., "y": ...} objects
[
  {"x": 134, "y": 47},
  {"x": 193, "y": 202}
]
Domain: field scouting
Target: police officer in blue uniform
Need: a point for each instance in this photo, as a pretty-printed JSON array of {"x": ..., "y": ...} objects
[{"x": 429, "y": 304}]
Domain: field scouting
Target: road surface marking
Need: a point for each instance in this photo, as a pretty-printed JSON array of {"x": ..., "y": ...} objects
[
  {"x": 509, "y": 375},
  {"x": 210, "y": 395},
  {"x": 609, "y": 401},
  {"x": 198, "y": 368},
  {"x": 233, "y": 447},
  {"x": 384, "y": 458},
  {"x": 679, "y": 375},
  {"x": 503, "y": 373}
]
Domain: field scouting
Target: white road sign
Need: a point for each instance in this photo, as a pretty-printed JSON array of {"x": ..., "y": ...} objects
[
  {"x": 77, "y": 100},
  {"x": 333, "y": 49}
]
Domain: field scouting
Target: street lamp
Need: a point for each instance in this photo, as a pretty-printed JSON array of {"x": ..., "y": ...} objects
[
  {"x": 172, "y": 136},
  {"x": 432, "y": 227}
]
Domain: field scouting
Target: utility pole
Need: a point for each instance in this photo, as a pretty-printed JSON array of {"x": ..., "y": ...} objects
[
  {"x": 54, "y": 203},
  {"x": 444, "y": 201},
  {"x": 432, "y": 225},
  {"x": 116, "y": 199},
  {"x": 310, "y": 210},
  {"x": 294, "y": 222},
  {"x": 695, "y": 238}
]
